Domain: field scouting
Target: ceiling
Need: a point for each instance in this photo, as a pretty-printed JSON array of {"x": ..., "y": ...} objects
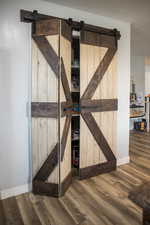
[{"x": 137, "y": 12}]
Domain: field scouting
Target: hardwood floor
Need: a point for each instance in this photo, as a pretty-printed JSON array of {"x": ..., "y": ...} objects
[{"x": 102, "y": 200}]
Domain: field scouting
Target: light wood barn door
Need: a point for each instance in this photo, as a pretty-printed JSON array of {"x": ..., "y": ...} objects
[
  {"x": 98, "y": 89},
  {"x": 50, "y": 98}
]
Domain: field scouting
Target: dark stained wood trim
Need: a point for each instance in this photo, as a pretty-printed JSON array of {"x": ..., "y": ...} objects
[
  {"x": 65, "y": 83},
  {"x": 46, "y": 27},
  {"x": 49, "y": 165},
  {"x": 44, "y": 109},
  {"x": 102, "y": 105},
  {"x": 66, "y": 30},
  {"x": 43, "y": 188},
  {"x": 65, "y": 184},
  {"x": 98, "y": 136},
  {"x": 48, "y": 53},
  {"x": 50, "y": 189},
  {"x": 96, "y": 170},
  {"x": 96, "y": 39},
  {"x": 29, "y": 17},
  {"x": 50, "y": 109},
  {"x": 65, "y": 135},
  {"x": 98, "y": 75}
]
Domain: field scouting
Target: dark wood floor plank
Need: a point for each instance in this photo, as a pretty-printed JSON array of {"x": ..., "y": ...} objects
[
  {"x": 85, "y": 206},
  {"x": 136, "y": 173},
  {"x": 142, "y": 142},
  {"x": 138, "y": 145},
  {"x": 140, "y": 170},
  {"x": 132, "y": 179},
  {"x": 27, "y": 210},
  {"x": 69, "y": 205},
  {"x": 143, "y": 162},
  {"x": 99, "y": 205},
  {"x": 58, "y": 212},
  {"x": 139, "y": 151},
  {"x": 139, "y": 135},
  {"x": 2, "y": 214},
  {"x": 44, "y": 215},
  {"x": 119, "y": 207},
  {"x": 12, "y": 212},
  {"x": 101, "y": 200},
  {"x": 116, "y": 183}
]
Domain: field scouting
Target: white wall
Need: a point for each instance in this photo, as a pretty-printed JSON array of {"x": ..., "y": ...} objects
[
  {"x": 147, "y": 75},
  {"x": 15, "y": 73},
  {"x": 147, "y": 80},
  {"x": 138, "y": 73}
]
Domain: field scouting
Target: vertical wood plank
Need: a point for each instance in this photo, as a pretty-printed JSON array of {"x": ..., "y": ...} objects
[
  {"x": 65, "y": 53},
  {"x": 83, "y": 84},
  {"x": 44, "y": 89},
  {"x": 53, "y": 97},
  {"x": 2, "y": 214}
]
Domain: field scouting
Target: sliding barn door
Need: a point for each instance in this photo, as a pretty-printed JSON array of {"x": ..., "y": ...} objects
[
  {"x": 98, "y": 88},
  {"x": 51, "y": 151}
]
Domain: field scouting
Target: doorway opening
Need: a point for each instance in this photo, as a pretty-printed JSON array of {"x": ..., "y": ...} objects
[{"x": 75, "y": 92}]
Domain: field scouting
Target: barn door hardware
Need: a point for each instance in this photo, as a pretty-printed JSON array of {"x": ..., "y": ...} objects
[{"x": 29, "y": 17}]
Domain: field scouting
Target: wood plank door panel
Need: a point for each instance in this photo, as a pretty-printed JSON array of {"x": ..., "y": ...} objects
[
  {"x": 45, "y": 99},
  {"x": 51, "y": 130},
  {"x": 65, "y": 96},
  {"x": 98, "y": 85}
]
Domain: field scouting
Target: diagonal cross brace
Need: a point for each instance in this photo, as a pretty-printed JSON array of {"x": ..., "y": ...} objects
[
  {"x": 99, "y": 73},
  {"x": 98, "y": 136},
  {"x": 52, "y": 160}
]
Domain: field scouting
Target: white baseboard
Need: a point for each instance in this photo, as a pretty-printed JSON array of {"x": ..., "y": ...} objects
[
  {"x": 122, "y": 161},
  {"x": 7, "y": 193}
]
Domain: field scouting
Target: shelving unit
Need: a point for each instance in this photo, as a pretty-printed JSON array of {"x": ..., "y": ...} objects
[{"x": 75, "y": 92}]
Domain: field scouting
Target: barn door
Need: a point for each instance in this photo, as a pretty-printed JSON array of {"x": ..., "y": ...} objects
[
  {"x": 98, "y": 88},
  {"x": 50, "y": 98}
]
